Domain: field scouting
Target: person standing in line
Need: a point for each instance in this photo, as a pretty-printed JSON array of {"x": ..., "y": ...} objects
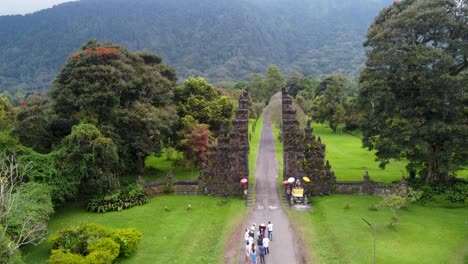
[
  {"x": 253, "y": 257},
  {"x": 247, "y": 252},
  {"x": 246, "y": 235},
  {"x": 260, "y": 241},
  {"x": 266, "y": 242},
  {"x": 270, "y": 231},
  {"x": 262, "y": 252},
  {"x": 251, "y": 240}
]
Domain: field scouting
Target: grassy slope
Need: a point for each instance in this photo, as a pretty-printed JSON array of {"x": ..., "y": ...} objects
[
  {"x": 279, "y": 151},
  {"x": 255, "y": 134},
  {"x": 168, "y": 237},
  {"x": 157, "y": 169},
  {"x": 423, "y": 235},
  {"x": 350, "y": 161}
]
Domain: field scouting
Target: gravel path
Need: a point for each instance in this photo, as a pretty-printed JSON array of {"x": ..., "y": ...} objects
[{"x": 267, "y": 205}]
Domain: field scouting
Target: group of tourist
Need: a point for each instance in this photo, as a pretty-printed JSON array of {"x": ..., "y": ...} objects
[{"x": 259, "y": 248}]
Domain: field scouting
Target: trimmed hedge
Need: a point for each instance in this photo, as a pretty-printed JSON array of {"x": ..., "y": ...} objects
[
  {"x": 92, "y": 244},
  {"x": 118, "y": 199}
]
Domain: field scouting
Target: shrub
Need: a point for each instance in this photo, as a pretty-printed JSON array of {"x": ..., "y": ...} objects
[
  {"x": 128, "y": 240},
  {"x": 92, "y": 244},
  {"x": 60, "y": 257},
  {"x": 451, "y": 194},
  {"x": 118, "y": 199}
]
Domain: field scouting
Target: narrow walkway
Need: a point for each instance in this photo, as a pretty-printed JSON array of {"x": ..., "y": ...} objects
[{"x": 267, "y": 205}]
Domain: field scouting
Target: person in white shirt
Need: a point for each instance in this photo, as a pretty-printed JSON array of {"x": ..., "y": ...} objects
[
  {"x": 246, "y": 235},
  {"x": 266, "y": 242},
  {"x": 270, "y": 231},
  {"x": 247, "y": 252}
]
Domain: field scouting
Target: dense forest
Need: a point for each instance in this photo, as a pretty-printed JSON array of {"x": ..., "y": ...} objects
[{"x": 219, "y": 40}]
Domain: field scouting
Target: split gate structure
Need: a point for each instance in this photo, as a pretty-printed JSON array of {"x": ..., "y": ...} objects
[
  {"x": 229, "y": 159},
  {"x": 303, "y": 154}
]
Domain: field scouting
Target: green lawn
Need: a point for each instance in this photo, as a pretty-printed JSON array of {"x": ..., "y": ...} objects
[
  {"x": 423, "y": 235},
  {"x": 278, "y": 150},
  {"x": 350, "y": 161},
  {"x": 157, "y": 169},
  {"x": 177, "y": 236}
]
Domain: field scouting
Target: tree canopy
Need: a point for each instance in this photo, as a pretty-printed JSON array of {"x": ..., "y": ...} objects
[
  {"x": 126, "y": 95},
  {"x": 199, "y": 99},
  {"x": 413, "y": 90}
]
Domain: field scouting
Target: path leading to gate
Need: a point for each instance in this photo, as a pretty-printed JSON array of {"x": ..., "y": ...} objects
[{"x": 267, "y": 205}]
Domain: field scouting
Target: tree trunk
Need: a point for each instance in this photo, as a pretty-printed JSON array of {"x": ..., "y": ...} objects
[
  {"x": 140, "y": 164},
  {"x": 435, "y": 170}
]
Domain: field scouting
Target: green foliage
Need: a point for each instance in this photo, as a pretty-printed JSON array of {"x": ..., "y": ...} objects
[
  {"x": 200, "y": 100},
  {"x": 92, "y": 244},
  {"x": 399, "y": 199},
  {"x": 315, "y": 38},
  {"x": 90, "y": 158},
  {"x": 126, "y": 95},
  {"x": 262, "y": 87},
  {"x": 328, "y": 105},
  {"x": 37, "y": 126},
  {"x": 128, "y": 239},
  {"x": 450, "y": 194},
  {"x": 7, "y": 114},
  {"x": 118, "y": 199},
  {"x": 413, "y": 89}
]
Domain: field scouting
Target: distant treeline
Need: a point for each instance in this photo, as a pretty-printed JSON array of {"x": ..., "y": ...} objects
[{"x": 219, "y": 40}]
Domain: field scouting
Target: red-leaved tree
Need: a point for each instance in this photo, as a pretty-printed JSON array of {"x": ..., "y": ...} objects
[{"x": 198, "y": 142}]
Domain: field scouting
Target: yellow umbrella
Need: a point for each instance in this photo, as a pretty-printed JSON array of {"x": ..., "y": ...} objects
[{"x": 306, "y": 179}]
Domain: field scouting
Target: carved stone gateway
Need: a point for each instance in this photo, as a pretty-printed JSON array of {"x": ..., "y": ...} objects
[
  {"x": 304, "y": 155},
  {"x": 228, "y": 161}
]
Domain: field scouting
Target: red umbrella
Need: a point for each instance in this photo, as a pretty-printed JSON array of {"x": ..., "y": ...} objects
[
  {"x": 243, "y": 181},
  {"x": 285, "y": 182}
]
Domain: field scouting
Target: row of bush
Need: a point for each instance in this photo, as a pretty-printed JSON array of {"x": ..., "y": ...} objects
[
  {"x": 92, "y": 243},
  {"x": 118, "y": 199},
  {"x": 450, "y": 194}
]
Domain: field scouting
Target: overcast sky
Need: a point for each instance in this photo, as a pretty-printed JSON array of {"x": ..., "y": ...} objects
[{"x": 14, "y": 7}]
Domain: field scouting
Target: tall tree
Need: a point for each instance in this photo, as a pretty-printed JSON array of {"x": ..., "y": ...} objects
[
  {"x": 274, "y": 81},
  {"x": 126, "y": 95},
  {"x": 413, "y": 90},
  {"x": 328, "y": 105},
  {"x": 199, "y": 99}
]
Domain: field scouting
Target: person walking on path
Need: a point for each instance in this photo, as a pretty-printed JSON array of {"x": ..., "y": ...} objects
[
  {"x": 262, "y": 254},
  {"x": 266, "y": 242},
  {"x": 270, "y": 230}
]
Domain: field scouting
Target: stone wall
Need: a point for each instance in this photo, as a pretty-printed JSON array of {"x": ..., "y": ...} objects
[
  {"x": 364, "y": 187},
  {"x": 180, "y": 187},
  {"x": 228, "y": 160}
]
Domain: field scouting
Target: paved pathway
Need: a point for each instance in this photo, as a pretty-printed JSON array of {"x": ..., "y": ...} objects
[{"x": 267, "y": 205}]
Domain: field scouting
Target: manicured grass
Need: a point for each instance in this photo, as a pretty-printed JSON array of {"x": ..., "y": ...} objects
[
  {"x": 350, "y": 161},
  {"x": 177, "y": 236},
  {"x": 423, "y": 235},
  {"x": 255, "y": 133},
  {"x": 278, "y": 150},
  {"x": 157, "y": 169}
]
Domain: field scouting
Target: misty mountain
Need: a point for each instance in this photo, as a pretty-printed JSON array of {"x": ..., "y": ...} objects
[{"x": 217, "y": 39}]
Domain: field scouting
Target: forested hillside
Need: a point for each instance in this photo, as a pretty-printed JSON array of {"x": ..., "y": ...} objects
[{"x": 220, "y": 40}]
